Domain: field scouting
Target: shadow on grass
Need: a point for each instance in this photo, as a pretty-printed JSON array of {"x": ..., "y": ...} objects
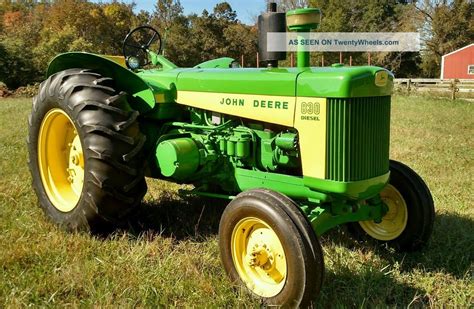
[
  {"x": 190, "y": 217},
  {"x": 195, "y": 218},
  {"x": 367, "y": 289},
  {"x": 450, "y": 249}
]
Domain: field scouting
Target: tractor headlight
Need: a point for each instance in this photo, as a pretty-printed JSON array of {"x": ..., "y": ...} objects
[
  {"x": 235, "y": 64},
  {"x": 133, "y": 62}
]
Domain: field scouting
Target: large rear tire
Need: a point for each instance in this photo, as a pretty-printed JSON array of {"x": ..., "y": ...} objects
[
  {"x": 266, "y": 248},
  {"x": 85, "y": 151}
]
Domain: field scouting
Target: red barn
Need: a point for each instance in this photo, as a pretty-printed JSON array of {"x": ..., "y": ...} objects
[{"x": 458, "y": 64}]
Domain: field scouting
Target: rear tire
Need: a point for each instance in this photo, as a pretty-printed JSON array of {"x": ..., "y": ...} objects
[
  {"x": 259, "y": 220},
  {"x": 100, "y": 139},
  {"x": 409, "y": 223}
]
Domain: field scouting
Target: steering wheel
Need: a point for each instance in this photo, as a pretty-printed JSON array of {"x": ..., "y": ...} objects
[{"x": 138, "y": 42}]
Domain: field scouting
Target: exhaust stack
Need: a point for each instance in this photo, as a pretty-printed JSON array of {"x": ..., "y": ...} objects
[{"x": 271, "y": 21}]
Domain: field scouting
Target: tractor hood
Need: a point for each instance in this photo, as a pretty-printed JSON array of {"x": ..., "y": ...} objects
[
  {"x": 272, "y": 95},
  {"x": 345, "y": 82},
  {"x": 279, "y": 82},
  {"x": 336, "y": 81}
]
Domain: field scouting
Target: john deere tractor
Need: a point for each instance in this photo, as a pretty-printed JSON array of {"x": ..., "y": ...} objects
[{"x": 296, "y": 151}]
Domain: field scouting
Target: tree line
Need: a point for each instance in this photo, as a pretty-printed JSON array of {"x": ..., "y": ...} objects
[{"x": 33, "y": 32}]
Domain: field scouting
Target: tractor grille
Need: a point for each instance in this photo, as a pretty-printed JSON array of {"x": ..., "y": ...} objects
[{"x": 358, "y": 138}]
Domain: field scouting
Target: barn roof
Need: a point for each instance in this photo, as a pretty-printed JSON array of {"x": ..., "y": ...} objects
[{"x": 458, "y": 50}]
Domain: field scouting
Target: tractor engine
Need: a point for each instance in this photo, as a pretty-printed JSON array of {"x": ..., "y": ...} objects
[{"x": 212, "y": 143}]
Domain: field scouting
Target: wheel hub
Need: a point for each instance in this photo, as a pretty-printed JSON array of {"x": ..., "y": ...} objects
[
  {"x": 259, "y": 257},
  {"x": 76, "y": 164},
  {"x": 395, "y": 220},
  {"x": 60, "y": 160}
]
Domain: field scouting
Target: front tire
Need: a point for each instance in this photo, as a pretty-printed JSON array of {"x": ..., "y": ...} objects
[
  {"x": 408, "y": 224},
  {"x": 85, "y": 151},
  {"x": 264, "y": 248}
]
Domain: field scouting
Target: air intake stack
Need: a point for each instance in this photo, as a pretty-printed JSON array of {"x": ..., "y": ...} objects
[
  {"x": 303, "y": 20},
  {"x": 271, "y": 21}
]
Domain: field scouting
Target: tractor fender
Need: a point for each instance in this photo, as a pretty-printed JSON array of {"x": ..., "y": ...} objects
[{"x": 141, "y": 97}]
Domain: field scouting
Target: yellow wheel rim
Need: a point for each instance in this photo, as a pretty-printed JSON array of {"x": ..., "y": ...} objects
[
  {"x": 60, "y": 160},
  {"x": 395, "y": 220},
  {"x": 259, "y": 257}
]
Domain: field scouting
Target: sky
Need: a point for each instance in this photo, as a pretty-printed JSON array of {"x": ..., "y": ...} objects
[{"x": 246, "y": 10}]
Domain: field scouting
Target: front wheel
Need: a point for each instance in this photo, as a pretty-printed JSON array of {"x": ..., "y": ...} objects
[
  {"x": 268, "y": 249},
  {"x": 408, "y": 224}
]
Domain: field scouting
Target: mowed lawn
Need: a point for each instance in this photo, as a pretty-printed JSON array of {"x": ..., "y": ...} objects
[{"x": 170, "y": 256}]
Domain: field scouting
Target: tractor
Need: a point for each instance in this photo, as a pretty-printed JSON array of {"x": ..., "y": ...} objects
[{"x": 296, "y": 151}]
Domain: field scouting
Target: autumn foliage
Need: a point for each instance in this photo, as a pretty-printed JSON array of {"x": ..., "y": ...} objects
[{"x": 32, "y": 34}]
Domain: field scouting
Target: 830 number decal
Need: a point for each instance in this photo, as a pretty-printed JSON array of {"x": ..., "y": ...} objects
[{"x": 310, "y": 108}]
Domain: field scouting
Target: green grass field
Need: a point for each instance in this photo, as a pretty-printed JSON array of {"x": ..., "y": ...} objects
[{"x": 169, "y": 255}]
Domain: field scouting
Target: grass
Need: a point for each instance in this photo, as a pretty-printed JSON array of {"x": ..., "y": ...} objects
[{"x": 169, "y": 256}]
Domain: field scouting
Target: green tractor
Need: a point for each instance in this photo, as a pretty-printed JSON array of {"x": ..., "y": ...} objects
[{"x": 297, "y": 151}]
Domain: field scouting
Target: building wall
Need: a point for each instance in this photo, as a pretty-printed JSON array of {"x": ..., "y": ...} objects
[{"x": 455, "y": 65}]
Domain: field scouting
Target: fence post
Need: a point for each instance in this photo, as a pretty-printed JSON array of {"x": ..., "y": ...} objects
[
  {"x": 322, "y": 60},
  {"x": 350, "y": 61},
  {"x": 258, "y": 60},
  {"x": 340, "y": 57},
  {"x": 292, "y": 60},
  {"x": 242, "y": 60},
  {"x": 408, "y": 86},
  {"x": 454, "y": 89}
]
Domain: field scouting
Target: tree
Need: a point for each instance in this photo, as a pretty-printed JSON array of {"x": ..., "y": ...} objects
[
  {"x": 119, "y": 19},
  {"x": 448, "y": 25},
  {"x": 143, "y": 18},
  {"x": 286, "y": 5},
  {"x": 16, "y": 67},
  {"x": 165, "y": 14},
  {"x": 242, "y": 41},
  {"x": 17, "y": 39},
  {"x": 195, "y": 38},
  {"x": 371, "y": 16},
  {"x": 166, "y": 11},
  {"x": 223, "y": 11}
]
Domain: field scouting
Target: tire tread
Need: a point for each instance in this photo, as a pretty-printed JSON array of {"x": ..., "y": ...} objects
[{"x": 113, "y": 148}]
